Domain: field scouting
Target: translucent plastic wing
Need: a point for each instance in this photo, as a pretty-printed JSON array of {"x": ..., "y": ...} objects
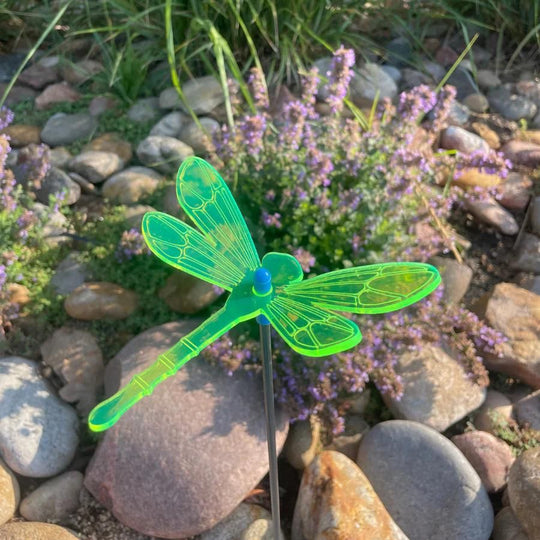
[
  {"x": 184, "y": 248},
  {"x": 377, "y": 288},
  {"x": 309, "y": 330},
  {"x": 207, "y": 200}
]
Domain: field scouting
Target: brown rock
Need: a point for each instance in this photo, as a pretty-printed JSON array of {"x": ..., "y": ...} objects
[
  {"x": 474, "y": 177},
  {"x": 515, "y": 191},
  {"x": 130, "y": 185},
  {"x": 530, "y": 135},
  {"x": 100, "y": 104},
  {"x": 524, "y": 491},
  {"x": 23, "y": 530},
  {"x": 96, "y": 165},
  {"x": 456, "y": 278},
  {"x": 302, "y": 443},
  {"x": 515, "y": 312},
  {"x": 522, "y": 153},
  {"x": 487, "y": 134},
  {"x": 187, "y": 294},
  {"x": 9, "y": 493},
  {"x": 337, "y": 501},
  {"x": 528, "y": 254},
  {"x": 100, "y": 300},
  {"x": 17, "y": 94},
  {"x": 76, "y": 358},
  {"x": 531, "y": 282},
  {"x": 22, "y": 135},
  {"x": 490, "y": 457},
  {"x": 80, "y": 71},
  {"x": 18, "y": 294},
  {"x": 446, "y": 56},
  {"x": 38, "y": 76},
  {"x": 527, "y": 410},
  {"x": 507, "y": 526},
  {"x": 56, "y": 93},
  {"x": 496, "y": 408},
  {"x": 111, "y": 142},
  {"x": 490, "y": 212}
]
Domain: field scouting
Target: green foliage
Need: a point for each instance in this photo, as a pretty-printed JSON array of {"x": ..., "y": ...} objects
[{"x": 518, "y": 438}]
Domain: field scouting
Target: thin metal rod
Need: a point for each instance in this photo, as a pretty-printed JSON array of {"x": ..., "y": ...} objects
[{"x": 268, "y": 383}]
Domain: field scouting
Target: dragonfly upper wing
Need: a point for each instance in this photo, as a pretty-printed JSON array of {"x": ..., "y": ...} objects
[
  {"x": 183, "y": 247},
  {"x": 310, "y": 330},
  {"x": 376, "y": 288},
  {"x": 207, "y": 200}
]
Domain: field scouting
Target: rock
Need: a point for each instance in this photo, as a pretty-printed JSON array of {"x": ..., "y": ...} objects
[
  {"x": 58, "y": 183},
  {"x": 474, "y": 177},
  {"x": 529, "y": 135},
  {"x": 111, "y": 142},
  {"x": 62, "y": 129},
  {"x": 367, "y": 81},
  {"x": 81, "y": 71},
  {"x": 101, "y": 104},
  {"x": 323, "y": 65},
  {"x": 456, "y": 278},
  {"x": 86, "y": 186},
  {"x": 169, "y": 99},
  {"x": 38, "y": 432},
  {"x": 347, "y": 444},
  {"x": 528, "y": 254},
  {"x": 38, "y": 76},
  {"x": 302, "y": 443},
  {"x": 487, "y": 79},
  {"x": 135, "y": 213},
  {"x": 169, "y": 202},
  {"x": 507, "y": 526},
  {"x": 17, "y": 94},
  {"x": 239, "y": 523},
  {"x": 9, "y": 63},
  {"x": 131, "y": 185},
  {"x": 527, "y": 410},
  {"x": 22, "y": 135},
  {"x": 487, "y": 134},
  {"x": 522, "y": 153},
  {"x": 454, "y": 137},
  {"x": 535, "y": 215},
  {"x": 515, "y": 191},
  {"x": 535, "y": 122},
  {"x": 100, "y": 300},
  {"x": 512, "y": 107},
  {"x": 20, "y": 530},
  {"x": 530, "y": 90},
  {"x": 398, "y": 51},
  {"x": 393, "y": 72},
  {"x": 69, "y": 274},
  {"x": 55, "y": 225},
  {"x": 144, "y": 110},
  {"x": 429, "y": 477},
  {"x": 163, "y": 153},
  {"x": 202, "y": 95},
  {"x": 490, "y": 212},
  {"x": 530, "y": 282},
  {"x": 514, "y": 312},
  {"x": 477, "y": 103},
  {"x": 436, "y": 390},
  {"x": 196, "y": 137},
  {"x": 95, "y": 165},
  {"x": 446, "y": 56},
  {"x": 336, "y": 500},
  {"x": 464, "y": 83},
  {"x": 524, "y": 491},
  {"x": 56, "y": 93},
  {"x": 9, "y": 493},
  {"x": 76, "y": 358},
  {"x": 435, "y": 71},
  {"x": 54, "y": 499},
  {"x": 490, "y": 457},
  {"x": 18, "y": 294},
  {"x": 219, "y": 455},
  {"x": 170, "y": 125},
  {"x": 496, "y": 408},
  {"x": 458, "y": 114},
  {"x": 187, "y": 294},
  {"x": 59, "y": 157}
]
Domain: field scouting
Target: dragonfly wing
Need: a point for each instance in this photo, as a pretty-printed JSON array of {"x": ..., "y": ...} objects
[
  {"x": 181, "y": 246},
  {"x": 377, "y": 288},
  {"x": 207, "y": 200},
  {"x": 309, "y": 330}
]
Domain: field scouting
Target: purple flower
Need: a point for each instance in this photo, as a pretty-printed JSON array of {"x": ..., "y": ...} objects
[
  {"x": 339, "y": 78},
  {"x": 305, "y": 258},
  {"x": 131, "y": 244}
]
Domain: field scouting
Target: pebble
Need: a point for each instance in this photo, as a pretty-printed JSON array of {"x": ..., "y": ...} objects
[
  {"x": 394, "y": 72},
  {"x": 240, "y": 524},
  {"x": 62, "y": 129},
  {"x": 22, "y": 135},
  {"x": 487, "y": 79},
  {"x": 446, "y": 56},
  {"x": 55, "y": 499},
  {"x": 187, "y": 294},
  {"x": 111, "y": 142},
  {"x": 477, "y": 103},
  {"x": 436, "y": 390},
  {"x": 22, "y": 530},
  {"x": 507, "y": 526},
  {"x": 515, "y": 191},
  {"x": 163, "y": 153},
  {"x": 18, "y": 94},
  {"x": 464, "y": 83},
  {"x": 370, "y": 79},
  {"x": 495, "y": 409},
  {"x": 86, "y": 186},
  {"x": 100, "y": 300},
  {"x": 56, "y": 182},
  {"x": 530, "y": 90},
  {"x": 524, "y": 491},
  {"x": 202, "y": 95},
  {"x": 490, "y": 212},
  {"x": 95, "y": 165},
  {"x": 169, "y": 99},
  {"x": 527, "y": 410},
  {"x": 456, "y": 278},
  {"x": 196, "y": 137},
  {"x": 522, "y": 153},
  {"x": 302, "y": 443},
  {"x": 38, "y": 431},
  {"x": 528, "y": 254},
  {"x": 81, "y": 71},
  {"x": 170, "y": 125},
  {"x": 75, "y": 356},
  {"x": 487, "y": 134},
  {"x": 455, "y": 137},
  {"x": 69, "y": 274},
  {"x": 429, "y": 477},
  {"x": 490, "y": 457},
  {"x": 9, "y": 493},
  {"x": 512, "y": 107},
  {"x": 38, "y": 76},
  {"x": 458, "y": 114},
  {"x": 59, "y": 157},
  {"x": 9, "y": 63},
  {"x": 101, "y": 104},
  {"x": 474, "y": 177},
  {"x": 219, "y": 455},
  {"x": 336, "y": 500},
  {"x": 131, "y": 185},
  {"x": 398, "y": 51},
  {"x": 56, "y": 93},
  {"x": 144, "y": 110},
  {"x": 435, "y": 71},
  {"x": 515, "y": 312}
]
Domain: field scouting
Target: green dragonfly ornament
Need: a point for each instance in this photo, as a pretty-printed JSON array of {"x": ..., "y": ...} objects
[{"x": 303, "y": 312}]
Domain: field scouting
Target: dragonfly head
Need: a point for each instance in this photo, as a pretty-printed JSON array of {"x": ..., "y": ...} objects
[{"x": 262, "y": 282}]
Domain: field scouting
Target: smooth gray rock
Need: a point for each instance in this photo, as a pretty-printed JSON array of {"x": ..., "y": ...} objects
[
  {"x": 487, "y": 79},
  {"x": 69, "y": 274},
  {"x": 57, "y": 182},
  {"x": 196, "y": 137},
  {"x": 144, "y": 110},
  {"x": 511, "y": 106},
  {"x": 429, "y": 488},
  {"x": 455, "y": 137},
  {"x": 370, "y": 79},
  {"x": 535, "y": 216},
  {"x": 170, "y": 125},
  {"x": 163, "y": 153},
  {"x": 95, "y": 165},
  {"x": 489, "y": 211},
  {"x": 197, "y": 444},
  {"x": 38, "y": 432},
  {"x": 132, "y": 184},
  {"x": 63, "y": 129},
  {"x": 528, "y": 254},
  {"x": 464, "y": 83},
  {"x": 527, "y": 410},
  {"x": 456, "y": 278}
]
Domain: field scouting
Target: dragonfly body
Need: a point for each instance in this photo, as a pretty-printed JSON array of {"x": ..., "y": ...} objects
[{"x": 303, "y": 312}]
